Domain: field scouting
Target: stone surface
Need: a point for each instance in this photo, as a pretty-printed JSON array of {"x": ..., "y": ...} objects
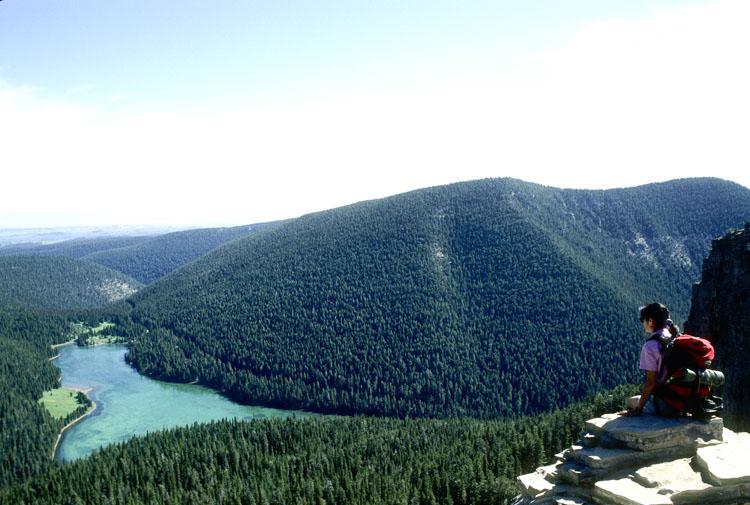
[
  {"x": 729, "y": 495},
  {"x": 599, "y": 457},
  {"x": 606, "y": 459},
  {"x": 648, "y": 433},
  {"x": 576, "y": 474},
  {"x": 671, "y": 477},
  {"x": 589, "y": 440},
  {"x": 595, "y": 426},
  {"x": 570, "y": 450},
  {"x": 726, "y": 463},
  {"x": 662, "y": 467},
  {"x": 570, "y": 501},
  {"x": 534, "y": 484},
  {"x": 568, "y": 491},
  {"x": 549, "y": 472},
  {"x": 544, "y": 500},
  {"x": 732, "y": 437},
  {"x": 627, "y": 492}
]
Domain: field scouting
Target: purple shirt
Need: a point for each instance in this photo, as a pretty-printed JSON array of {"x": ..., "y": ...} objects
[{"x": 651, "y": 356}]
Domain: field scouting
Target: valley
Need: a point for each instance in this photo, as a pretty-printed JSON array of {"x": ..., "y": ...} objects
[{"x": 460, "y": 334}]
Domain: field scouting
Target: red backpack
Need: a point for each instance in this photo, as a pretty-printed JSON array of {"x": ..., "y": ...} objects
[{"x": 689, "y": 384}]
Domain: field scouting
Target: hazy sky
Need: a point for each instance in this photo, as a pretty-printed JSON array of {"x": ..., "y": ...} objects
[{"x": 233, "y": 112}]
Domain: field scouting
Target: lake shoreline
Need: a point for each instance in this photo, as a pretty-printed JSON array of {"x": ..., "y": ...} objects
[
  {"x": 89, "y": 411},
  {"x": 71, "y": 342},
  {"x": 131, "y": 404},
  {"x": 57, "y": 346}
]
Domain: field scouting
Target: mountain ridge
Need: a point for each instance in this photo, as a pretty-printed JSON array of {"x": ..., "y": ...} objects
[
  {"x": 421, "y": 304},
  {"x": 145, "y": 258}
]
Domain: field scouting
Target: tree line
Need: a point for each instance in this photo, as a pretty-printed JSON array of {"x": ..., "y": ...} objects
[{"x": 357, "y": 460}]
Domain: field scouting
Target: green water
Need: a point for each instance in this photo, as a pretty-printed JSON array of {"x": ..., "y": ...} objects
[{"x": 130, "y": 404}]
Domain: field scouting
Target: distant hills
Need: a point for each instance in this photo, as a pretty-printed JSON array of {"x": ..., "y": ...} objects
[
  {"x": 13, "y": 235},
  {"x": 154, "y": 257},
  {"x": 489, "y": 298},
  {"x": 144, "y": 258}
]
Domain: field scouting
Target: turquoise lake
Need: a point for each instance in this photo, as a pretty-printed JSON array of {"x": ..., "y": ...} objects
[{"x": 129, "y": 404}]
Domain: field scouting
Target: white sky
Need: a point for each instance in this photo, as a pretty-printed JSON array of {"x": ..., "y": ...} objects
[{"x": 618, "y": 103}]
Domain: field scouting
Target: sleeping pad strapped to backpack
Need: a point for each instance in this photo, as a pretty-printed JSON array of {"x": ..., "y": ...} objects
[{"x": 690, "y": 383}]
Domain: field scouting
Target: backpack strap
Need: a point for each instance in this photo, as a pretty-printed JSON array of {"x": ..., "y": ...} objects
[
  {"x": 663, "y": 343},
  {"x": 666, "y": 351}
]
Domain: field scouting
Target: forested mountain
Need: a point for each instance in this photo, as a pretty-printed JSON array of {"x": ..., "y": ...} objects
[
  {"x": 60, "y": 283},
  {"x": 488, "y": 298},
  {"x": 144, "y": 258}
]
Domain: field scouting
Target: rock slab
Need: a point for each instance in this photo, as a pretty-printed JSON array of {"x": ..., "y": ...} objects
[
  {"x": 726, "y": 464},
  {"x": 671, "y": 477},
  {"x": 628, "y": 492},
  {"x": 650, "y": 433},
  {"x": 534, "y": 484},
  {"x": 738, "y": 494}
]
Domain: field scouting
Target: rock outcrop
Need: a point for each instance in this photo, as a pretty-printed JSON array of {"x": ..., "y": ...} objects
[
  {"x": 720, "y": 311},
  {"x": 646, "y": 460},
  {"x": 657, "y": 461}
]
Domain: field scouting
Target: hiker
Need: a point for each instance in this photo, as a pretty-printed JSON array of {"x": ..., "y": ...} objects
[{"x": 661, "y": 330}]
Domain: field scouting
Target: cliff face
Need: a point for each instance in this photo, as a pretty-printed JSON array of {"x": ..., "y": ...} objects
[{"x": 720, "y": 311}]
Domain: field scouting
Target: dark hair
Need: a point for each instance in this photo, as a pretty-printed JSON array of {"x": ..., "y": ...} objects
[{"x": 660, "y": 314}]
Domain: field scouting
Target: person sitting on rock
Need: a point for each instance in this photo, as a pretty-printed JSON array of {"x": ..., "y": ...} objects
[{"x": 661, "y": 330}]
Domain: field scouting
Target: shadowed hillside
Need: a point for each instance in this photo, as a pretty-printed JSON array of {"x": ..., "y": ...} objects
[{"x": 721, "y": 311}]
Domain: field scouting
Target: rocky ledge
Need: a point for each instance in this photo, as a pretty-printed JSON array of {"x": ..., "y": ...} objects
[{"x": 645, "y": 461}]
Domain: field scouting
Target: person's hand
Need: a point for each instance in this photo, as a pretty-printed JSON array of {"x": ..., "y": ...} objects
[{"x": 635, "y": 412}]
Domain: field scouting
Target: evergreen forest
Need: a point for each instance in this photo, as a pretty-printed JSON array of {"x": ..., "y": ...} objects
[
  {"x": 326, "y": 460},
  {"x": 494, "y": 298},
  {"x": 60, "y": 283},
  {"x": 27, "y": 430},
  {"x": 457, "y": 336}
]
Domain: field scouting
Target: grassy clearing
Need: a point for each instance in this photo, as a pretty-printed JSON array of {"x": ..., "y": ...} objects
[
  {"x": 102, "y": 339},
  {"x": 102, "y": 327},
  {"x": 81, "y": 328},
  {"x": 60, "y": 402},
  {"x": 94, "y": 335},
  {"x": 78, "y": 329}
]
